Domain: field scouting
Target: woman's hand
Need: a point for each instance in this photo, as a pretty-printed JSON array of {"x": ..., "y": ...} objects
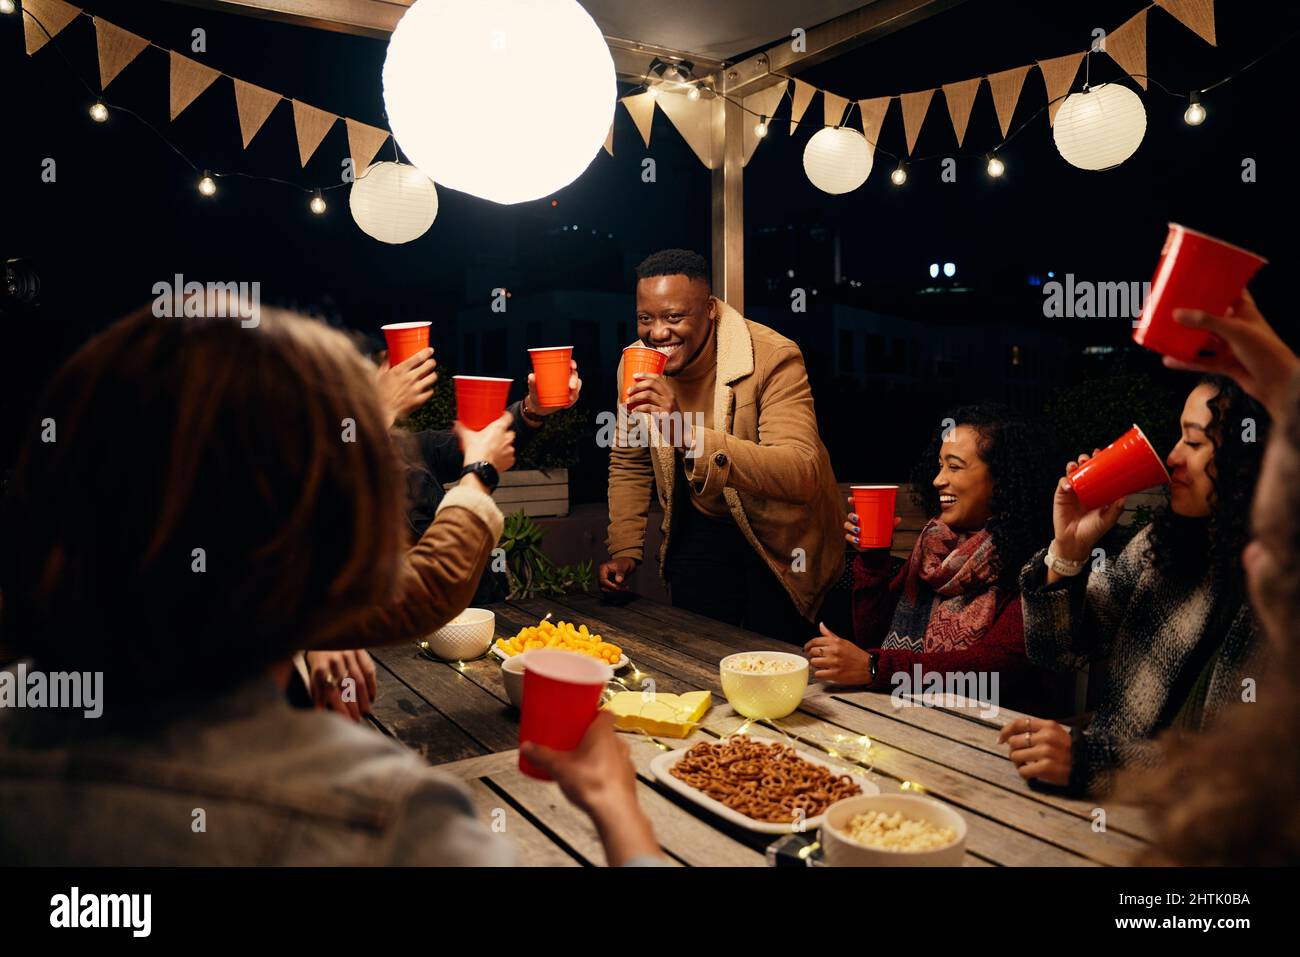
[
  {"x": 405, "y": 388},
  {"x": 598, "y": 777},
  {"x": 838, "y": 661},
  {"x": 342, "y": 681},
  {"x": 495, "y": 444},
  {"x": 852, "y": 533},
  {"x": 1078, "y": 529},
  {"x": 1259, "y": 361},
  {"x": 1040, "y": 749},
  {"x": 533, "y": 405}
]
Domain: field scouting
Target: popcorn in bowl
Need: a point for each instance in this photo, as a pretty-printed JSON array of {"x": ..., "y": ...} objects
[
  {"x": 764, "y": 684},
  {"x": 893, "y": 832},
  {"x": 760, "y": 664}
]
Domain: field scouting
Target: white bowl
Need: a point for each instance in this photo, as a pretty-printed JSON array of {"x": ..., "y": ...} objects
[
  {"x": 840, "y": 850},
  {"x": 466, "y": 636},
  {"x": 761, "y": 696},
  {"x": 512, "y": 675}
]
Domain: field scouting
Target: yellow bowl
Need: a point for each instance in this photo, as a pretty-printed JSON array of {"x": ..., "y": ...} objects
[{"x": 764, "y": 695}]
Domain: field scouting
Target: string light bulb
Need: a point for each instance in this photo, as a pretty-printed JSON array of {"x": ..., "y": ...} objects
[
  {"x": 207, "y": 185},
  {"x": 98, "y": 111},
  {"x": 996, "y": 167},
  {"x": 1195, "y": 114},
  {"x": 899, "y": 176},
  {"x": 653, "y": 91},
  {"x": 7, "y": 6},
  {"x": 761, "y": 129},
  {"x": 317, "y": 204},
  {"x": 694, "y": 94}
]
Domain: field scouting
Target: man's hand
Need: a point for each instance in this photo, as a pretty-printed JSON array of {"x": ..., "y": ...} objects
[
  {"x": 613, "y": 572},
  {"x": 327, "y": 670},
  {"x": 494, "y": 444},
  {"x": 533, "y": 405},
  {"x": 1040, "y": 749},
  {"x": 654, "y": 394},
  {"x": 838, "y": 661},
  {"x": 1259, "y": 361},
  {"x": 405, "y": 388}
]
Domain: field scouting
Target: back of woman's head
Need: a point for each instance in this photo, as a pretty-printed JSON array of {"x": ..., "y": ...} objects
[
  {"x": 1014, "y": 450},
  {"x": 196, "y": 500}
]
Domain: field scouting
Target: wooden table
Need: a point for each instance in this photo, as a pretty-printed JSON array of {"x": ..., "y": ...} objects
[{"x": 457, "y": 716}]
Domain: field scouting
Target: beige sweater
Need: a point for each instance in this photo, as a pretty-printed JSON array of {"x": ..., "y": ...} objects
[{"x": 762, "y": 453}]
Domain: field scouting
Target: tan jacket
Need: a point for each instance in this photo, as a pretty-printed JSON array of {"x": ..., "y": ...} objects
[{"x": 763, "y": 454}]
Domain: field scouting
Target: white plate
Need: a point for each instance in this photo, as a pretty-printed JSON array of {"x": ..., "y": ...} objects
[
  {"x": 661, "y": 768},
  {"x": 623, "y": 660}
]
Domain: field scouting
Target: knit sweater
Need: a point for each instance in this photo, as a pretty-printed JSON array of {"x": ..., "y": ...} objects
[{"x": 1147, "y": 624}]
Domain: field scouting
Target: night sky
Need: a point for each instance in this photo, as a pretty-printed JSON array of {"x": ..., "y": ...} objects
[{"x": 124, "y": 212}]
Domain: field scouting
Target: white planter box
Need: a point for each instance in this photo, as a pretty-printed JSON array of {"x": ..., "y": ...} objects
[{"x": 540, "y": 494}]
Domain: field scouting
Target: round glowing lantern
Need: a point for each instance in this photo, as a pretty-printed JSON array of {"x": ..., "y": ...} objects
[
  {"x": 508, "y": 100},
  {"x": 393, "y": 202},
  {"x": 1100, "y": 127},
  {"x": 837, "y": 160}
]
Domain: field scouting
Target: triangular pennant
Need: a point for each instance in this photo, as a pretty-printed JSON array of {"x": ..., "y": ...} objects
[
  {"x": 873, "y": 118},
  {"x": 1058, "y": 73},
  {"x": 1006, "y": 87},
  {"x": 961, "y": 97},
  {"x": 759, "y": 107},
  {"x": 609, "y": 140},
  {"x": 363, "y": 143},
  {"x": 43, "y": 19},
  {"x": 189, "y": 79},
  {"x": 117, "y": 48},
  {"x": 1196, "y": 15},
  {"x": 915, "y": 106},
  {"x": 694, "y": 120},
  {"x": 1127, "y": 46},
  {"x": 834, "y": 107},
  {"x": 803, "y": 94},
  {"x": 254, "y": 105},
  {"x": 312, "y": 125},
  {"x": 642, "y": 108}
]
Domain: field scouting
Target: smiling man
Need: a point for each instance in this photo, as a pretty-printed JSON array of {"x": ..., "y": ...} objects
[{"x": 752, "y": 513}]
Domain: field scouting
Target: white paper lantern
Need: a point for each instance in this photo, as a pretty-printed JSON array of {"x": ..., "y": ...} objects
[
  {"x": 393, "y": 202},
  {"x": 837, "y": 160},
  {"x": 1100, "y": 128},
  {"x": 509, "y": 100}
]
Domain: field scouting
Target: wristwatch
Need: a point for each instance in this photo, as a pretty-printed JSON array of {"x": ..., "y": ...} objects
[
  {"x": 873, "y": 664},
  {"x": 1061, "y": 566},
  {"x": 486, "y": 472}
]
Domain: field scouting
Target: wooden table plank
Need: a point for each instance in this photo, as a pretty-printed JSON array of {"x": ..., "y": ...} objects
[
  {"x": 409, "y": 718},
  {"x": 533, "y": 847}
]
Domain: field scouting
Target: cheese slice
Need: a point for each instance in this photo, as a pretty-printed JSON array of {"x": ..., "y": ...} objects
[{"x": 665, "y": 715}]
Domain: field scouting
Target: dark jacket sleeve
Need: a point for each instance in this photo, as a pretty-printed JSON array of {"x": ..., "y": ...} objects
[
  {"x": 875, "y": 595},
  {"x": 440, "y": 449}
]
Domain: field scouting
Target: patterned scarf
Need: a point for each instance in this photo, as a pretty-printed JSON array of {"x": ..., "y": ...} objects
[{"x": 949, "y": 596}]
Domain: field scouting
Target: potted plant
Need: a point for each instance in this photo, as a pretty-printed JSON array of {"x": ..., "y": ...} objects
[{"x": 531, "y": 574}]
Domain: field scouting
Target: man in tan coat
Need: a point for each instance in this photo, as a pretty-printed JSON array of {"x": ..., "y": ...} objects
[{"x": 752, "y": 514}]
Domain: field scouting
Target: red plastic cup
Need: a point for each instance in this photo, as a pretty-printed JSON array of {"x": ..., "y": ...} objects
[
  {"x": 640, "y": 359},
  {"x": 551, "y": 369},
  {"x": 1127, "y": 465},
  {"x": 874, "y": 505},
  {"x": 1196, "y": 271},
  {"x": 480, "y": 400},
  {"x": 405, "y": 339},
  {"x": 561, "y": 698}
]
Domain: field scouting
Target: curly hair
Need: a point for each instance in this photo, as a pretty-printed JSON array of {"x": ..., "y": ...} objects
[
  {"x": 1228, "y": 796},
  {"x": 1233, "y": 473},
  {"x": 1013, "y": 449},
  {"x": 674, "y": 262}
]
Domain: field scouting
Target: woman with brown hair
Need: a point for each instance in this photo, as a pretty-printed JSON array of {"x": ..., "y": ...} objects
[{"x": 199, "y": 500}]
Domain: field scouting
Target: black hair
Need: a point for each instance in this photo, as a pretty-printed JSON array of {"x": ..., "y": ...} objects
[
  {"x": 1234, "y": 472},
  {"x": 674, "y": 262},
  {"x": 1014, "y": 450}
]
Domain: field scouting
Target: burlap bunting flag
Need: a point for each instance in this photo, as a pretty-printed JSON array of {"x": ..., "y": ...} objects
[
  {"x": 1005, "y": 87},
  {"x": 833, "y": 108},
  {"x": 759, "y": 106},
  {"x": 1127, "y": 46},
  {"x": 189, "y": 78},
  {"x": 117, "y": 48},
  {"x": 1058, "y": 73},
  {"x": 641, "y": 106},
  {"x": 803, "y": 94},
  {"x": 915, "y": 106},
  {"x": 961, "y": 97},
  {"x": 312, "y": 125},
  {"x": 43, "y": 20},
  {"x": 873, "y": 114},
  {"x": 363, "y": 143},
  {"x": 694, "y": 121},
  {"x": 1196, "y": 15},
  {"x": 254, "y": 105}
]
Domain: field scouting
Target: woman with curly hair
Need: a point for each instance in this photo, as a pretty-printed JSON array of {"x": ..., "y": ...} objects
[
  {"x": 1169, "y": 614},
  {"x": 954, "y": 605}
]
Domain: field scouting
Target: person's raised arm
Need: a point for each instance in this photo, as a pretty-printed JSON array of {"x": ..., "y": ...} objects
[{"x": 631, "y": 482}]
